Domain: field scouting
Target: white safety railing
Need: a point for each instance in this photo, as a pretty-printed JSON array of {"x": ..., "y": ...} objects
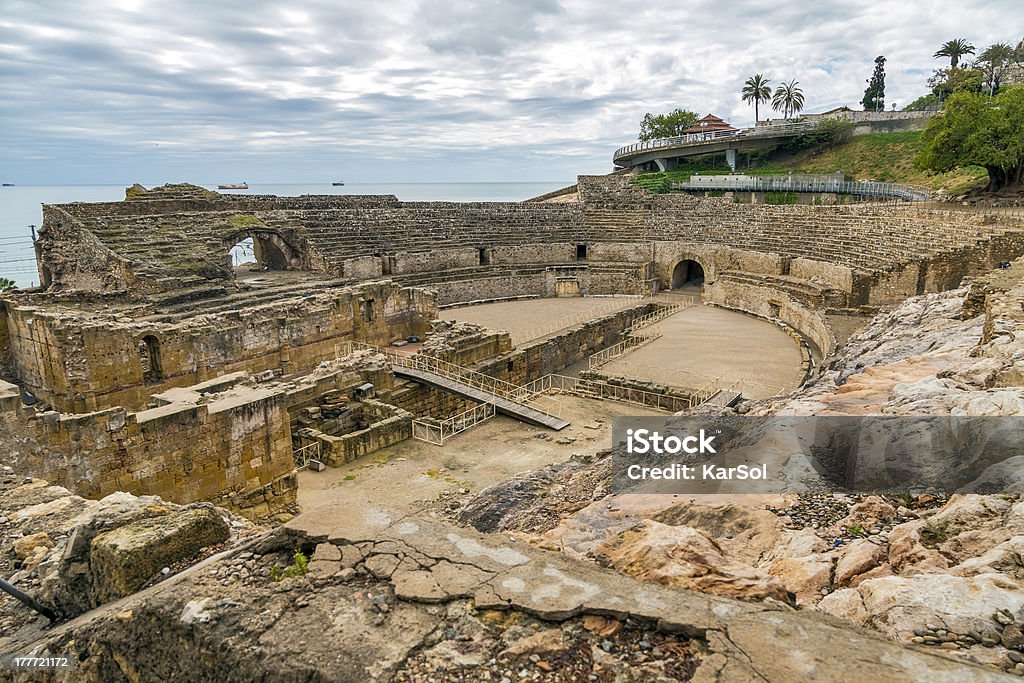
[
  {"x": 439, "y": 431},
  {"x": 663, "y": 311},
  {"x": 788, "y": 183},
  {"x": 552, "y": 326},
  {"x": 463, "y": 375},
  {"x": 693, "y": 139},
  {"x": 560, "y": 384},
  {"x": 625, "y": 346},
  {"x": 305, "y": 454}
]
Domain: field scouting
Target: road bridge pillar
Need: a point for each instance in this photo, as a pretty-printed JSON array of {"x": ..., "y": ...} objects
[{"x": 730, "y": 158}]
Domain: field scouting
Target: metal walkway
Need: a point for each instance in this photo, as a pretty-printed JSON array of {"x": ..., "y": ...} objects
[
  {"x": 723, "y": 398},
  {"x": 503, "y": 405}
]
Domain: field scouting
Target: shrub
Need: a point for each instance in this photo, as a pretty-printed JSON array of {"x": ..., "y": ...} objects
[{"x": 299, "y": 567}]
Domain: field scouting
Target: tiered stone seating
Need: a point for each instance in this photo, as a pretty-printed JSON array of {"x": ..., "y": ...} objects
[{"x": 180, "y": 244}]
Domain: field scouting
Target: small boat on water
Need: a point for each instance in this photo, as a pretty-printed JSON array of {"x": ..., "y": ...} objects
[
  {"x": 336, "y": 183},
  {"x": 7, "y": 184},
  {"x": 238, "y": 186}
]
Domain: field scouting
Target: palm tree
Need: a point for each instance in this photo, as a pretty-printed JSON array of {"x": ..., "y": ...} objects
[
  {"x": 756, "y": 90},
  {"x": 955, "y": 49},
  {"x": 994, "y": 62},
  {"x": 789, "y": 98}
]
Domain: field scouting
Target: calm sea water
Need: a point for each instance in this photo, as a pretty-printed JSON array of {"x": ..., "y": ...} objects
[{"x": 20, "y": 207}]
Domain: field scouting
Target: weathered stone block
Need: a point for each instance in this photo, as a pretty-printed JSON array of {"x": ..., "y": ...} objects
[{"x": 122, "y": 560}]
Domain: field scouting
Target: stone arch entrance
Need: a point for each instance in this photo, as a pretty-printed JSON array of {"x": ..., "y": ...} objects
[
  {"x": 688, "y": 274},
  {"x": 265, "y": 248}
]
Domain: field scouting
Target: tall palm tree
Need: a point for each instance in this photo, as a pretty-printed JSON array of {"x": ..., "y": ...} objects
[
  {"x": 756, "y": 90},
  {"x": 994, "y": 61},
  {"x": 955, "y": 49},
  {"x": 789, "y": 98}
]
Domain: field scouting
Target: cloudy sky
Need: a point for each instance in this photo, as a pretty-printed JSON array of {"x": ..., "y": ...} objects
[{"x": 423, "y": 90}]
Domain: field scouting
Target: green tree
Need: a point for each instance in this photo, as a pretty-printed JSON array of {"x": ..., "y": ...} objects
[
  {"x": 756, "y": 90},
  {"x": 994, "y": 62},
  {"x": 7, "y": 285},
  {"x": 788, "y": 98},
  {"x": 945, "y": 82},
  {"x": 657, "y": 126},
  {"x": 955, "y": 49},
  {"x": 923, "y": 103},
  {"x": 874, "y": 96},
  {"x": 975, "y": 130}
]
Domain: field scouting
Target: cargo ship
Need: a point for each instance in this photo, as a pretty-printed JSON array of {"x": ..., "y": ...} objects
[{"x": 238, "y": 186}]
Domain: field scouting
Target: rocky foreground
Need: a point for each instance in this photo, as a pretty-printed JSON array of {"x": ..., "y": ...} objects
[
  {"x": 944, "y": 574},
  {"x": 571, "y": 583},
  {"x": 408, "y": 598}
]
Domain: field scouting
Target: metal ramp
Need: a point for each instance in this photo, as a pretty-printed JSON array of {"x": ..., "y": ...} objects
[
  {"x": 502, "y": 404},
  {"x": 723, "y": 398}
]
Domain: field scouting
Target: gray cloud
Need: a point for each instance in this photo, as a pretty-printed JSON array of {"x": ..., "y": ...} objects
[{"x": 149, "y": 89}]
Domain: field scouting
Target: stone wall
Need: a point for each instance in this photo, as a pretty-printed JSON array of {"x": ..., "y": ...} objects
[
  {"x": 387, "y": 426},
  {"x": 423, "y": 400},
  {"x": 766, "y": 302},
  {"x": 235, "y": 452},
  {"x": 6, "y": 357},
  {"x": 80, "y": 363},
  {"x": 567, "y": 348}
]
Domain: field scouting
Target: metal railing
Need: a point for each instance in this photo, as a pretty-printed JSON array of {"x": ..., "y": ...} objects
[
  {"x": 693, "y": 139},
  {"x": 631, "y": 342},
  {"x": 591, "y": 389},
  {"x": 304, "y": 454},
  {"x": 463, "y": 375},
  {"x": 541, "y": 331},
  {"x": 663, "y": 311},
  {"x": 439, "y": 431},
  {"x": 786, "y": 183}
]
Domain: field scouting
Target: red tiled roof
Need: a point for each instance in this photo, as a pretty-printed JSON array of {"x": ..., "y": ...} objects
[{"x": 711, "y": 124}]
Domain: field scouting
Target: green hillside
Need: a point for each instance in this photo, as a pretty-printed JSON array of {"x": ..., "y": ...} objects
[{"x": 885, "y": 157}]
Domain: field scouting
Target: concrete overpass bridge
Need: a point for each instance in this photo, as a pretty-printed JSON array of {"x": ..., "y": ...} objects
[{"x": 667, "y": 151}]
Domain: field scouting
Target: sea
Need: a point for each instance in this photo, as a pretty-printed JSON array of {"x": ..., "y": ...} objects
[{"x": 21, "y": 206}]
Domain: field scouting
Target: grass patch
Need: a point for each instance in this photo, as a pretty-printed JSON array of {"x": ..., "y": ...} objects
[
  {"x": 883, "y": 157},
  {"x": 934, "y": 533},
  {"x": 299, "y": 567},
  {"x": 242, "y": 220}
]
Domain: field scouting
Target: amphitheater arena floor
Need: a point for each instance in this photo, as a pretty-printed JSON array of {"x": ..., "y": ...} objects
[
  {"x": 414, "y": 473},
  {"x": 530, "y": 319},
  {"x": 698, "y": 344}
]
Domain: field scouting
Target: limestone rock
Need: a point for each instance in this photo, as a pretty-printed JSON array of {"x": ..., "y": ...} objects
[
  {"x": 871, "y": 512},
  {"x": 32, "y": 549},
  {"x": 845, "y": 603},
  {"x": 897, "y": 605},
  {"x": 1006, "y": 558},
  {"x": 683, "y": 557},
  {"x": 861, "y": 555},
  {"x": 543, "y": 643},
  {"x": 123, "y": 559},
  {"x": 803, "y": 576},
  {"x": 744, "y": 532},
  {"x": 907, "y": 552}
]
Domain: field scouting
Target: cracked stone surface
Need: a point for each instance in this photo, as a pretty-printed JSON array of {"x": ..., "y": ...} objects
[{"x": 410, "y": 598}]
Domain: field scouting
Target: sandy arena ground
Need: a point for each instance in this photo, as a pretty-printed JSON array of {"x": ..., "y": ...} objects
[
  {"x": 698, "y": 344},
  {"x": 532, "y": 319},
  {"x": 417, "y": 471},
  {"x": 702, "y": 342}
]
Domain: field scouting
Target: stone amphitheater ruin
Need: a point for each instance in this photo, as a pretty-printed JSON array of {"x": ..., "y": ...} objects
[{"x": 149, "y": 377}]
